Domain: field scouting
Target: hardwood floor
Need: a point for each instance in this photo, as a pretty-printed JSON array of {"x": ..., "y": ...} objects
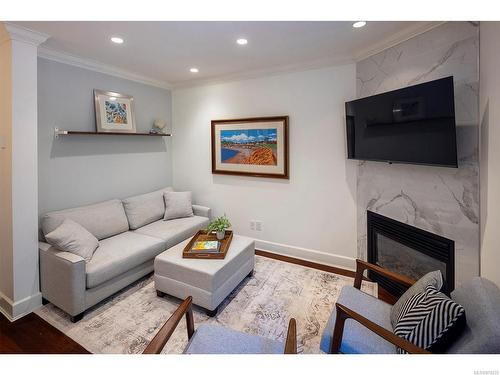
[{"x": 33, "y": 335}]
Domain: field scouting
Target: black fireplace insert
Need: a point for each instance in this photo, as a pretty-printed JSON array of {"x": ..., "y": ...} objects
[{"x": 407, "y": 250}]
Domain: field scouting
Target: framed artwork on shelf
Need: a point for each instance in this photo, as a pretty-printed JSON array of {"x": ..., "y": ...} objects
[
  {"x": 251, "y": 147},
  {"x": 114, "y": 112}
]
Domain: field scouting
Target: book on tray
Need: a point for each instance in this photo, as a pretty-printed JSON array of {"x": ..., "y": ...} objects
[{"x": 200, "y": 247}]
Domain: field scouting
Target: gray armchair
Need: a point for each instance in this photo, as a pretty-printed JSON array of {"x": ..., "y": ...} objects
[
  {"x": 361, "y": 323},
  {"x": 214, "y": 339}
]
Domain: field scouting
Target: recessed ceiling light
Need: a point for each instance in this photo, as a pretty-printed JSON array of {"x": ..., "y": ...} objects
[
  {"x": 242, "y": 41},
  {"x": 358, "y": 24},
  {"x": 117, "y": 40},
  {"x": 194, "y": 70}
]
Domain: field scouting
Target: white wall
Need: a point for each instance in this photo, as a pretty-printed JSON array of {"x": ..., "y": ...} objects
[
  {"x": 311, "y": 216},
  {"x": 489, "y": 95}
]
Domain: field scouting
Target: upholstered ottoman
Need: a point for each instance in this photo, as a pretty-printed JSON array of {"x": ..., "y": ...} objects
[{"x": 208, "y": 281}]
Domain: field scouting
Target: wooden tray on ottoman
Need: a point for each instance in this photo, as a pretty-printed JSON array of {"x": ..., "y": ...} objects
[{"x": 202, "y": 235}]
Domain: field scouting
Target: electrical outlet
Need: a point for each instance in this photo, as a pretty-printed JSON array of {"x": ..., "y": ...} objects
[
  {"x": 252, "y": 224},
  {"x": 258, "y": 226}
]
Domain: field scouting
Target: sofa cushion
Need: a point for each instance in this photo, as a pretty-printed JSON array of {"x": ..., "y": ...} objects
[
  {"x": 357, "y": 338},
  {"x": 177, "y": 204},
  {"x": 103, "y": 219},
  {"x": 430, "y": 320},
  {"x": 481, "y": 301},
  {"x": 118, "y": 254},
  {"x": 174, "y": 231},
  {"x": 73, "y": 238},
  {"x": 433, "y": 278},
  {"x": 215, "y": 339},
  {"x": 145, "y": 208}
]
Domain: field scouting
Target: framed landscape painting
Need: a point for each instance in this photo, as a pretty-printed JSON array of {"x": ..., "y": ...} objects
[
  {"x": 252, "y": 147},
  {"x": 114, "y": 112}
]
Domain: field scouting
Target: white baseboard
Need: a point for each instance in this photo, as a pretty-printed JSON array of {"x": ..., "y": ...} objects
[
  {"x": 307, "y": 254},
  {"x": 15, "y": 310}
]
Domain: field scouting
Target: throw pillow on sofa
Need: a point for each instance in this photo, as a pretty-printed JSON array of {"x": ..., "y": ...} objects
[
  {"x": 430, "y": 320},
  {"x": 72, "y": 237},
  {"x": 177, "y": 204},
  {"x": 433, "y": 278}
]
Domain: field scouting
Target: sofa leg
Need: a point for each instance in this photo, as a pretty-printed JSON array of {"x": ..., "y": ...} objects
[
  {"x": 45, "y": 301},
  {"x": 159, "y": 293},
  {"x": 250, "y": 274},
  {"x": 76, "y": 318},
  {"x": 212, "y": 313}
]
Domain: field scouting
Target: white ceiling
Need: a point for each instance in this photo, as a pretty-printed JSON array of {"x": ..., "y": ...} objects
[{"x": 164, "y": 51}]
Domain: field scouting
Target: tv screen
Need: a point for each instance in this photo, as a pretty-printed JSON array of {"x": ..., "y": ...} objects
[{"x": 414, "y": 125}]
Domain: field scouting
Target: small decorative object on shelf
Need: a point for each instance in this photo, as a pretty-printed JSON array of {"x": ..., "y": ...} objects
[
  {"x": 114, "y": 112},
  {"x": 219, "y": 226},
  {"x": 158, "y": 127}
]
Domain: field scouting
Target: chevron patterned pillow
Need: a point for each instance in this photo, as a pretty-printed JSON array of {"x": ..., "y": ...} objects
[{"x": 430, "y": 320}]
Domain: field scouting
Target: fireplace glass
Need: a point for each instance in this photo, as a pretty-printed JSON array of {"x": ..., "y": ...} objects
[{"x": 399, "y": 258}]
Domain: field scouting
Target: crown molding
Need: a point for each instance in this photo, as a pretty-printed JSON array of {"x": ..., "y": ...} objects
[
  {"x": 22, "y": 34},
  {"x": 397, "y": 38},
  {"x": 267, "y": 72},
  {"x": 69, "y": 59}
]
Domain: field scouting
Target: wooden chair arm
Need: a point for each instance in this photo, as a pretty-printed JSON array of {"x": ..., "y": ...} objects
[
  {"x": 361, "y": 266},
  {"x": 158, "y": 342},
  {"x": 344, "y": 313},
  {"x": 291, "y": 338}
]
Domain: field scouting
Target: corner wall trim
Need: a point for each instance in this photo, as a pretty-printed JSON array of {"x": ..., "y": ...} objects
[
  {"x": 66, "y": 58},
  {"x": 332, "y": 260},
  {"x": 16, "y": 310}
]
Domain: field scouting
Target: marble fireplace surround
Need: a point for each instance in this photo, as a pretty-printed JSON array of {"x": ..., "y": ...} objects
[{"x": 444, "y": 201}]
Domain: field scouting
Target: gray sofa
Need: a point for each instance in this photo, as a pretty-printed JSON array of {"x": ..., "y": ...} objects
[{"x": 131, "y": 234}]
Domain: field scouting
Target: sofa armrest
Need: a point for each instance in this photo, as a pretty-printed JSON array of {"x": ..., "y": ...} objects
[
  {"x": 201, "y": 210},
  {"x": 62, "y": 278}
]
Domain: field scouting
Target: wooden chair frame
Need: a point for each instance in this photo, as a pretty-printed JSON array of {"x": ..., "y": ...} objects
[
  {"x": 186, "y": 308},
  {"x": 344, "y": 313}
]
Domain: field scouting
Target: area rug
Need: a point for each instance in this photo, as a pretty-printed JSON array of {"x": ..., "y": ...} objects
[{"x": 261, "y": 305}]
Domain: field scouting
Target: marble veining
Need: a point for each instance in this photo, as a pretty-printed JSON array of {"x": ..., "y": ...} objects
[
  {"x": 444, "y": 201},
  {"x": 261, "y": 305}
]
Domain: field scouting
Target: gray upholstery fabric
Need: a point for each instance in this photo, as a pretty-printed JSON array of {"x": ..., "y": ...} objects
[
  {"x": 174, "y": 231},
  {"x": 209, "y": 299},
  {"x": 357, "y": 338},
  {"x": 103, "y": 220},
  {"x": 481, "y": 301},
  {"x": 201, "y": 211},
  {"x": 433, "y": 278},
  {"x": 214, "y": 339},
  {"x": 104, "y": 290},
  {"x": 177, "y": 204},
  {"x": 145, "y": 208},
  {"x": 73, "y": 238},
  {"x": 119, "y": 254},
  {"x": 62, "y": 279},
  {"x": 200, "y": 273}
]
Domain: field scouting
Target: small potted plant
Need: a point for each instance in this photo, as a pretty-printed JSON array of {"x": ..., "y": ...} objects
[{"x": 219, "y": 225}]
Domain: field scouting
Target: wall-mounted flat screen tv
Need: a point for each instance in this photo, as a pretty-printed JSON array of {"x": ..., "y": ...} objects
[{"x": 414, "y": 125}]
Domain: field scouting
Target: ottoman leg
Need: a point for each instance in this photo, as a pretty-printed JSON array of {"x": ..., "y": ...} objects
[
  {"x": 159, "y": 293},
  {"x": 212, "y": 313}
]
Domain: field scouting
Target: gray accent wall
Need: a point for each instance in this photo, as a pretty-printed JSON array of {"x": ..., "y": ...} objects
[
  {"x": 444, "y": 201},
  {"x": 78, "y": 170}
]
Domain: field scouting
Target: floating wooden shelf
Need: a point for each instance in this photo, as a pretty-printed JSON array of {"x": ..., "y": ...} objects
[{"x": 58, "y": 132}]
